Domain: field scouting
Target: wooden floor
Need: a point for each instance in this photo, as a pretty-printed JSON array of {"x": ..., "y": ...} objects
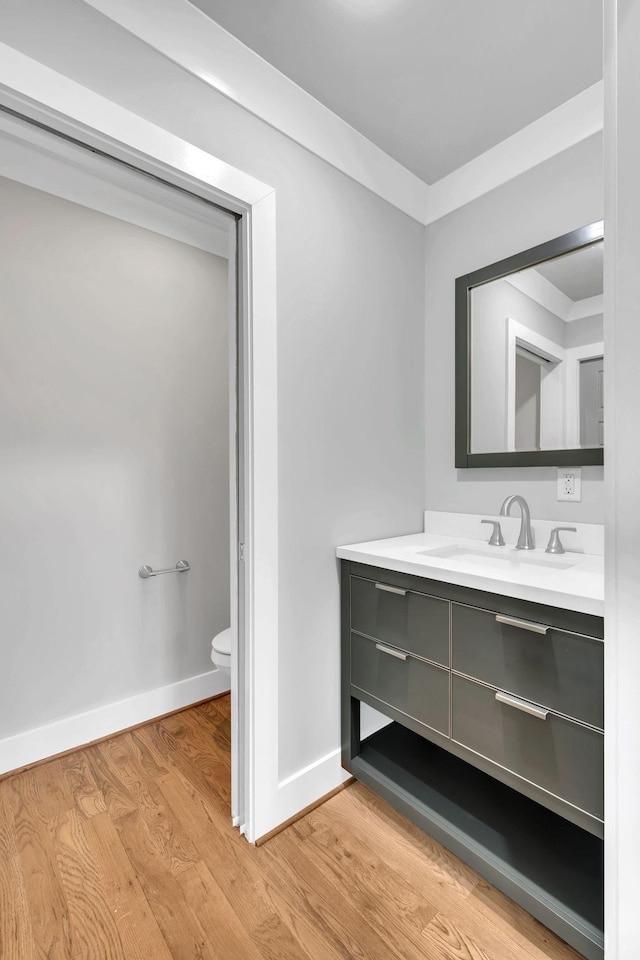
[{"x": 125, "y": 850}]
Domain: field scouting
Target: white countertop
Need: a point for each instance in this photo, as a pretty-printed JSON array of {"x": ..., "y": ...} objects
[{"x": 572, "y": 580}]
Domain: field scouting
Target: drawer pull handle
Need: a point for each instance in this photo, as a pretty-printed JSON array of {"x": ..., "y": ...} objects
[
  {"x": 388, "y": 589},
  {"x": 522, "y": 705},
  {"x": 523, "y": 624},
  {"x": 392, "y": 653}
]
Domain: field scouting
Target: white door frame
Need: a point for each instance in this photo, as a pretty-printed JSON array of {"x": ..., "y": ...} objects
[
  {"x": 40, "y": 94},
  {"x": 552, "y": 388}
]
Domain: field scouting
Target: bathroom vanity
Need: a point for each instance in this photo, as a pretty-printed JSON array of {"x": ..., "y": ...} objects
[{"x": 489, "y": 666}]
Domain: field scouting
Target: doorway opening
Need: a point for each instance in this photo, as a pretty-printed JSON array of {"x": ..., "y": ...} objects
[
  {"x": 592, "y": 402},
  {"x": 535, "y": 390},
  {"x": 531, "y": 371},
  {"x": 124, "y": 445}
]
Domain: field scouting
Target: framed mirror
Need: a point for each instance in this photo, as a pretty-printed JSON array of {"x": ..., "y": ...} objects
[{"x": 530, "y": 357}]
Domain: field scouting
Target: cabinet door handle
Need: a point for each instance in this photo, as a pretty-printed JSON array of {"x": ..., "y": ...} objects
[
  {"x": 388, "y": 589},
  {"x": 523, "y": 705},
  {"x": 392, "y": 653},
  {"x": 523, "y": 624}
]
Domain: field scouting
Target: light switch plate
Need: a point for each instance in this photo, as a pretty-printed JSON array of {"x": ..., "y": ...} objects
[{"x": 570, "y": 483}]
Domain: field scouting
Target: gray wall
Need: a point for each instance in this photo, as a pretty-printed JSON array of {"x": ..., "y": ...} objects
[
  {"x": 553, "y": 198},
  {"x": 350, "y": 345},
  {"x": 584, "y": 331},
  {"x": 114, "y": 453}
]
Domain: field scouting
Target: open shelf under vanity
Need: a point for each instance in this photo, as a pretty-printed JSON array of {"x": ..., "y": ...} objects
[{"x": 551, "y": 867}]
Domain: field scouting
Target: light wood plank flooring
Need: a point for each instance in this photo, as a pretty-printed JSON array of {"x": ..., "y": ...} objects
[{"x": 125, "y": 851}]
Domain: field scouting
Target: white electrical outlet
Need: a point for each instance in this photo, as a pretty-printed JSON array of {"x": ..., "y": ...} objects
[{"x": 569, "y": 483}]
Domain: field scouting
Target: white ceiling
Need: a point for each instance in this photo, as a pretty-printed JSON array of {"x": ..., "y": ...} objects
[
  {"x": 434, "y": 83},
  {"x": 579, "y": 275}
]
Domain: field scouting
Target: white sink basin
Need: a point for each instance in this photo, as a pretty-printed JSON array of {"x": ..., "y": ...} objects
[{"x": 498, "y": 556}]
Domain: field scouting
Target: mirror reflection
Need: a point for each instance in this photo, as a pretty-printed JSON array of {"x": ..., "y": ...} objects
[{"x": 537, "y": 356}]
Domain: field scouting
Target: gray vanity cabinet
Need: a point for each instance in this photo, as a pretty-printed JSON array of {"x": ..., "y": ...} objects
[
  {"x": 412, "y": 621},
  {"x": 495, "y": 744},
  {"x": 410, "y": 685},
  {"x": 560, "y": 756},
  {"x": 530, "y": 698},
  {"x": 557, "y": 668}
]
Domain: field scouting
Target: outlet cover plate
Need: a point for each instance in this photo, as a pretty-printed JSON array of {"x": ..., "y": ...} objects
[{"x": 570, "y": 484}]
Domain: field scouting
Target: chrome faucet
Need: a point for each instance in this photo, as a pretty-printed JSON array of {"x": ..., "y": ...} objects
[{"x": 525, "y": 540}]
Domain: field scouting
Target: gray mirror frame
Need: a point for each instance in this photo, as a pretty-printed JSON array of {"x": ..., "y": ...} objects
[{"x": 575, "y": 457}]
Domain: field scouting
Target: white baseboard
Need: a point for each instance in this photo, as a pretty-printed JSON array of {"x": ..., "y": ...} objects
[
  {"x": 305, "y": 786},
  {"x": 71, "y": 732},
  {"x": 308, "y": 785}
]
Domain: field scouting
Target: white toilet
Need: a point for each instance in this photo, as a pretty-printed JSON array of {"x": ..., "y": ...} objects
[{"x": 221, "y": 651}]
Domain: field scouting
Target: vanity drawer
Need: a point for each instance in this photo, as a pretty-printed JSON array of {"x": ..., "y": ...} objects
[
  {"x": 559, "y": 755},
  {"x": 414, "y": 687},
  {"x": 564, "y": 671},
  {"x": 412, "y": 621}
]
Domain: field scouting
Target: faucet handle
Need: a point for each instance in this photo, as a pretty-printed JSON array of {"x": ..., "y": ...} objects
[
  {"x": 554, "y": 545},
  {"x": 496, "y": 539}
]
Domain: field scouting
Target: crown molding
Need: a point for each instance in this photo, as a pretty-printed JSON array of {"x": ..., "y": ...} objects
[
  {"x": 538, "y": 288},
  {"x": 186, "y": 36},
  {"x": 199, "y": 45},
  {"x": 542, "y": 291},
  {"x": 590, "y": 307},
  {"x": 570, "y": 123}
]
